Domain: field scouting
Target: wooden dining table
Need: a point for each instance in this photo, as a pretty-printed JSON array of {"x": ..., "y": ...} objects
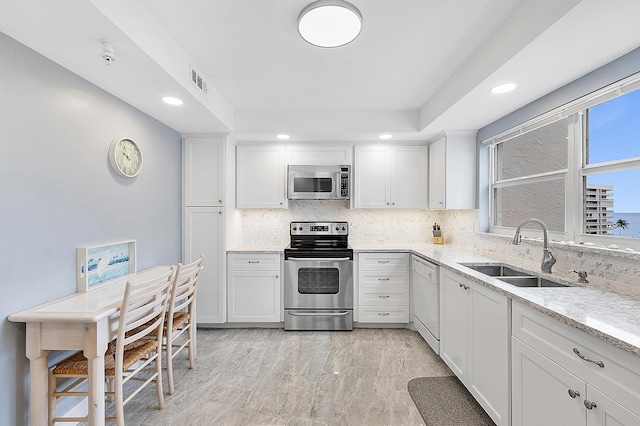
[{"x": 82, "y": 321}]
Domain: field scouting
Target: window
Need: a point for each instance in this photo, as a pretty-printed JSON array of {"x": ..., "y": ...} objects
[{"x": 577, "y": 169}]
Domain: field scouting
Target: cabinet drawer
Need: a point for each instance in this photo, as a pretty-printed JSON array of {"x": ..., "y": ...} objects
[
  {"x": 387, "y": 279},
  {"x": 254, "y": 262},
  {"x": 384, "y": 296},
  {"x": 619, "y": 375},
  {"x": 387, "y": 314},
  {"x": 383, "y": 261}
]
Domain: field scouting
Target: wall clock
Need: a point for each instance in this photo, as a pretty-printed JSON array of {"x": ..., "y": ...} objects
[{"x": 125, "y": 157}]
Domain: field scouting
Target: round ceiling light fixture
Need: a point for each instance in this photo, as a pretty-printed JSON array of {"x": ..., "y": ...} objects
[{"x": 329, "y": 23}]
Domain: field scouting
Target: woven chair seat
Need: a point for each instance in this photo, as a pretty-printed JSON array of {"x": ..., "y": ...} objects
[{"x": 77, "y": 364}]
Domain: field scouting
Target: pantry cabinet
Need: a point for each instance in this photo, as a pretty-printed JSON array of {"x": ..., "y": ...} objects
[
  {"x": 261, "y": 177},
  {"x": 562, "y": 376},
  {"x": 254, "y": 290},
  {"x": 452, "y": 171},
  {"x": 391, "y": 177},
  {"x": 203, "y": 233},
  {"x": 474, "y": 341},
  {"x": 383, "y": 288}
]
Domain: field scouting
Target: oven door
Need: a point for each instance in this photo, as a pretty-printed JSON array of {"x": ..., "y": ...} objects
[{"x": 318, "y": 283}]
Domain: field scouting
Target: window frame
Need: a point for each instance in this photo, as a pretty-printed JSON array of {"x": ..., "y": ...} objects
[{"x": 576, "y": 172}]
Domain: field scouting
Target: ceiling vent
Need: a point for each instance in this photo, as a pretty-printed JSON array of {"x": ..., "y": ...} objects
[{"x": 198, "y": 81}]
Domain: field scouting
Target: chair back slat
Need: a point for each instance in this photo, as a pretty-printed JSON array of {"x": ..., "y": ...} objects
[
  {"x": 185, "y": 286},
  {"x": 143, "y": 309}
]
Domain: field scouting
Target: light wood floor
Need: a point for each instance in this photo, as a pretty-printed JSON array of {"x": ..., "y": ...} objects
[{"x": 273, "y": 377}]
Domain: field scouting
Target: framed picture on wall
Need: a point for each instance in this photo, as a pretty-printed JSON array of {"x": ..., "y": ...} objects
[{"x": 99, "y": 265}]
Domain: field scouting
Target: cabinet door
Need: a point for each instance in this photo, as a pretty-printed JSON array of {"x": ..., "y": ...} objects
[
  {"x": 261, "y": 177},
  {"x": 542, "y": 390},
  {"x": 607, "y": 412},
  {"x": 254, "y": 296},
  {"x": 488, "y": 374},
  {"x": 372, "y": 177},
  {"x": 203, "y": 171},
  {"x": 203, "y": 234},
  {"x": 408, "y": 183},
  {"x": 437, "y": 161},
  {"x": 454, "y": 328}
]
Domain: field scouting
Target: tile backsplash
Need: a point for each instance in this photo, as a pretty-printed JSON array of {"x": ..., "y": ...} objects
[
  {"x": 611, "y": 270},
  {"x": 271, "y": 226}
]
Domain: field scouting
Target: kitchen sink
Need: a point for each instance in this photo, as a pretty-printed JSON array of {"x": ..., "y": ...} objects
[
  {"x": 496, "y": 270},
  {"x": 511, "y": 275},
  {"x": 531, "y": 282}
]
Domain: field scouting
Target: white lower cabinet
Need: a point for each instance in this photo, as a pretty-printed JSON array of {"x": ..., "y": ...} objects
[
  {"x": 552, "y": 384},
  {"x": 253, "y": 288},
  {"x": 383, "y": 288},
  {"x": 203, "y": 233},
  {"x": 474, "y": 341}
]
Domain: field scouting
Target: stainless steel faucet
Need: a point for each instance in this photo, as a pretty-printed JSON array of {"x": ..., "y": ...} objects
[{"x": 548, "y": 260}]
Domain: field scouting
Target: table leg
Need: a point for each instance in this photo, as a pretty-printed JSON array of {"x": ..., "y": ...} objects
[
  {"x": 39, "y": 376},
  {"x": 96, "y": 345}
]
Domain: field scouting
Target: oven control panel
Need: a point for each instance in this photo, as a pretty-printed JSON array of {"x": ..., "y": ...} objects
[{"x": 319, "y": 228}]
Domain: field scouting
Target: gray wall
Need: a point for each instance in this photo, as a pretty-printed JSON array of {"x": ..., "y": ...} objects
[{"x": 58, "y": 192}]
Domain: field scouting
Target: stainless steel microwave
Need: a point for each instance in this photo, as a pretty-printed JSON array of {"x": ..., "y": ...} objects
[{"x": 322, "y": 182}]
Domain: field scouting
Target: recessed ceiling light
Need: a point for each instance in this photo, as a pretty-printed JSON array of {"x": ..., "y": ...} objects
[
  {"x": 282, "y": 136},
  {"x": 329, "y": 23},
  {"x": 503, "y": 88},
  {"x": 171, "y": 100},
  {"x": 387, "y": 136}
]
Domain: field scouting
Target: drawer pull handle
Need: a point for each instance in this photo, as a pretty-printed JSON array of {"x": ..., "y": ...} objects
[
  {"x": 573, "y": 394},
  {"x": 582, "y": 357},
  {"x": 383, "y": 296},
  {"x": 383, "y": 314},
  {"x": 590, "y": 405},
  {"x": 383, "y": 261},
  {"x": 254, "y": 261},
  {"x": 466, "y": 287},
  {"x": 383, "y": 279}
]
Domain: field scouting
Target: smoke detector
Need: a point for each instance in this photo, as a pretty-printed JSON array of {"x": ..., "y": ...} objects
[{"x": 108, "y": 51}]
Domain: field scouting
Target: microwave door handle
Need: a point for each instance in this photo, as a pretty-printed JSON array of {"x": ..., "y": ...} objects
[{"x": 335, "y": 183}]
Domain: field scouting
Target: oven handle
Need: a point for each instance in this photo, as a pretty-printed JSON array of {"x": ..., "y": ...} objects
[
  {"x": 315, "y": 259},
  {"x": 319, "y": 314}
]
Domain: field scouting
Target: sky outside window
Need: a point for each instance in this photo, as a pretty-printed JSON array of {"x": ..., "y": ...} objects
[{"x": 614, "y": 134}]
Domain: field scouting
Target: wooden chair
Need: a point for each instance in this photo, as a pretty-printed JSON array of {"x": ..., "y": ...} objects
[
  {"x": 181, "y": 316},
  {"x": 137, "y": 346}
]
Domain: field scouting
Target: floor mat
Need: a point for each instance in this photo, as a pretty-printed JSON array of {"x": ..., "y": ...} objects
[{"x": 444, "y": 401}]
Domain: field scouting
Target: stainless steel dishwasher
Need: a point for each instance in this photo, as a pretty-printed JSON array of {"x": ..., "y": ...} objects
[{"x": 426, "y": 299}]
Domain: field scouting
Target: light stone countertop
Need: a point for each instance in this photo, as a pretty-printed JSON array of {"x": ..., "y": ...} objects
[{"x": 607, "y": 316}]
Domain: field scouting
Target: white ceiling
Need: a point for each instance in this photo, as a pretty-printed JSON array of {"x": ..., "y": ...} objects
[{"x": 419, "y": 66}]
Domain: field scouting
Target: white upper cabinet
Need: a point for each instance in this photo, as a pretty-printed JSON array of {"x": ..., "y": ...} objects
[
  {"x": 261, "y": 178},
  {"x": 319, "y": 154},
  {"x": 203, "y": 176},
  {"x": 452, "y": 171},
  {"x": 391, "y": 177}
]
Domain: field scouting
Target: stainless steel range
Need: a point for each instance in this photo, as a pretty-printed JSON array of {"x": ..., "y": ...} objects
[{"x": 318, "y": 277}]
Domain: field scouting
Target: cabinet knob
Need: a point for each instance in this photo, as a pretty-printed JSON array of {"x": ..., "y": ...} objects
[
  {"x": 277, "y": 276},
  {"x": 589, "y": 404},
  {"x": 220, "y": 201},
  {"x": 573, "y": 394}
]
